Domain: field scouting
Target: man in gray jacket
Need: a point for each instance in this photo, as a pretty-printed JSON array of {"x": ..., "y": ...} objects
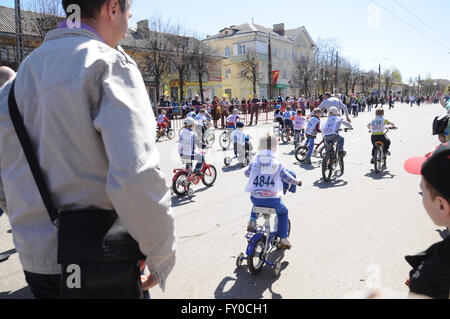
[{"x": 86, "y": 109}]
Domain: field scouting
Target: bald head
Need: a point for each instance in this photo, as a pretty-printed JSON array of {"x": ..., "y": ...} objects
[{"x": 5, "y": 74}]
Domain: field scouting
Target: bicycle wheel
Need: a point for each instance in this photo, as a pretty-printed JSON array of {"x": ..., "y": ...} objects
[
  {"x": 341, "y": 165},
  {"x": 301, "y": 153},
  {"x": 256, "y": 258},
  {"x": 322, "y": 151},
  {"x": 209, "y": 176},
  {"x": 178, "y": 185},
  {"x": 285, "y": 136},
  {"x": 170, "y": 134},
  {"x": 209, "y": 138},
  {"x": 327, "y": 167},
  {"x": 224, "y": 141},
  {"x": 378, "y": 165}
]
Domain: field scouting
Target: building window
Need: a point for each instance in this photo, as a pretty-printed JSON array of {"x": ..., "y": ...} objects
[
  {"x": 243, "y": 73},
  {"x": 293, "y": 56},
  {"x": 284, "y": 54},
  {"x": 227, "y": 52},
  {"x": 4, "y": 54},
  {"x": 227, "y": 73},
  {"x": 12, "y": 55},
  {"x": 284, "y": 75},
  {"x": 242, "y": 49},
  {"x": 274, "y": 52}
]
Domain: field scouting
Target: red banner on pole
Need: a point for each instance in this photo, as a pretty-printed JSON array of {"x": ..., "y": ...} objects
[{"x": 275, "y": 75}]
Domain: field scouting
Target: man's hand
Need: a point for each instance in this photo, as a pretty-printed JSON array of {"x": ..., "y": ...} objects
[
  {"x": 299, "y": 183},
  {"x": 348, "y": 119},
  {"x": 147, "y": 281}
]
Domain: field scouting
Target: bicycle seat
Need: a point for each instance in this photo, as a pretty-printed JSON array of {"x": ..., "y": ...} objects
[{"x": 264, "y": 210}]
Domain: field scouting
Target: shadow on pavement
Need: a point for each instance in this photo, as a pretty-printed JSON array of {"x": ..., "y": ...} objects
[
  {"x": 24, "y": 293},
  {"x": 377, "y": 176},
  {"x": 232, "y": 168},
  {"x": 308, "y": 167},
  {"x": 332, "y": 184},
  {"x": 181, "y": 201},
  {"x": 249, "y": 286}
]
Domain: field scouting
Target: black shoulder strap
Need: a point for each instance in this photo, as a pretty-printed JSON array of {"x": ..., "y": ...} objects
[{"x": 24, "y": 139}]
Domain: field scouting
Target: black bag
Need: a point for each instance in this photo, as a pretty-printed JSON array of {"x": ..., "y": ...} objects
[
  {"x": 440, "y": 124},
  {"x": 99, "y": 258}
]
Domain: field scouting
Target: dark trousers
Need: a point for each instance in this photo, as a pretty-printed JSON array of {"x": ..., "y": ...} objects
[
  {"x": 43, "y": 286},
  {"x": 384, "y": 140},
  {"x": 254, "y": 111}
]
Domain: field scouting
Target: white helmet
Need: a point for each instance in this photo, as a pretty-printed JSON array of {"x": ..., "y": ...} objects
[
  {"x": 188, "y": 121},
  {"x": 333, "y": 111}
]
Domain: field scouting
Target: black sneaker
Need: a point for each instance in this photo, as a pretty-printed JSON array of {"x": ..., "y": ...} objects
[
  {"x": 197, "y": 172},
  {"x": 342, "y": 153}
]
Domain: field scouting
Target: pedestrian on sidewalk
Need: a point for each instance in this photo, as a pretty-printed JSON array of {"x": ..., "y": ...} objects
[{"x": 84, "y": 104}]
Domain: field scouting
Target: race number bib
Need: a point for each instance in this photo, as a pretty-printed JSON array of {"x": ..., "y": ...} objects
[{"x": 330, "y": 126}]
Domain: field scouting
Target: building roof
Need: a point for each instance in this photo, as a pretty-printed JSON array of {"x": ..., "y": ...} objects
[
  {"x": 253, "y": 27},
  {"x": 31, "y": 22}
]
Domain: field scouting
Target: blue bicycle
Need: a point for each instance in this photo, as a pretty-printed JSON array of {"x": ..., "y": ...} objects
[{"x": 261, "y": 241}]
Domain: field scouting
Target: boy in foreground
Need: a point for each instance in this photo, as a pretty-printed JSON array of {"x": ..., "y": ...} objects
[{"x": 430, "y": 276}]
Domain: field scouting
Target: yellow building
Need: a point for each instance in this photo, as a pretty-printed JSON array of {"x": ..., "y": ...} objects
[
  {"x": 137, "y": 45},
  {"x": 288, "y": 47}
]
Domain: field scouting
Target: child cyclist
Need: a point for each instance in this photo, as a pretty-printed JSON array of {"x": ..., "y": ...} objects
[
  {"x": 162, "y": 121},
  {"x": 287, "y": 116},
  {"x": 242, "y": 144},
  {"x": 266, "y": 183},
  {"x": 278, "y": 115},
  {"x": 188, "y": 143},
  {"x": 377, "y": 127},
  {"x": 299, "y": 126},
  {"x": 312, "y": 128},
  {"x": 232, "y": 119},
  {"x": 331, "y": 129}
]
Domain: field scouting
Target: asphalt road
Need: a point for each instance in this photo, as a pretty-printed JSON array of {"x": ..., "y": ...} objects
[{"x": 347, "y": 235}]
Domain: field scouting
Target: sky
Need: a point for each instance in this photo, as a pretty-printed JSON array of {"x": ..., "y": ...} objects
[{"x": 411, "y": 35}]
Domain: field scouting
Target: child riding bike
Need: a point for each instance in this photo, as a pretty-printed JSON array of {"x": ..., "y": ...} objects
[
  {"x": 331, "y": 129},
  {"x": 312, "y": 128},
  {"x": 267, "y": 176},
  {"x": 377, "y": 127},
  {"x": 287, "y": 116},
  {"x": 162, "y": 121},
  {"x": 232, "y": 119},
  {"x": 188, "y": 142},
  {"x": 299, "y": 126},
  {"x": 241, "y": 142}
]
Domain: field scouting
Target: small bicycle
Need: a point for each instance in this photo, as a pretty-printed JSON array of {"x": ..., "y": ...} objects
[
  {"x": 286, "y": 134},
  {"x": 170, "y": 133},
  {"x": 380, "y": 158},
  {"x": 332, "y": 159},
  {"x": 261, "y": 242},
  {"x": 302, "y": 151},
  {"x": 244, "y": 159},
  {"x": 185, "y": 178},
  {"x": 225, "y": 139}
]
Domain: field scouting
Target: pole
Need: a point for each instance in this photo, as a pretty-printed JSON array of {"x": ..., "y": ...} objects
[
  {"x": 269, "y": 74},
  {"x": 379, "y": 80},
  {"x": 337, "y": 70},
  {"x": 19, "y": 35}
]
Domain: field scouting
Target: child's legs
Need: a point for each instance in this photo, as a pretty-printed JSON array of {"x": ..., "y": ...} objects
[
  {"x": 310, "y": 143},
  {"x": 282, "y": 213}
]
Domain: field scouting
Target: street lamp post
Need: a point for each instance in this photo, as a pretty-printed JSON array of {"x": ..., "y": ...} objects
[
  {"x": 19, "y": 35},
  {"x": 270, "y": 77}
]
